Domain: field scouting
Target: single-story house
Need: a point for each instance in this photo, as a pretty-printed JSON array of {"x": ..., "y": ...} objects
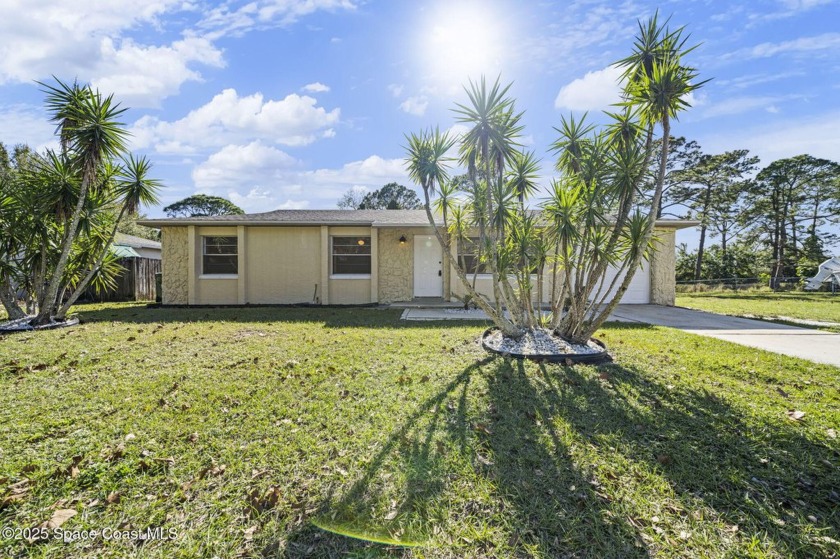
[{"x": 338, "y": 257}]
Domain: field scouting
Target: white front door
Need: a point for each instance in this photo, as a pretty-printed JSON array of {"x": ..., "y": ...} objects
[{"x": 428, "y": 267}]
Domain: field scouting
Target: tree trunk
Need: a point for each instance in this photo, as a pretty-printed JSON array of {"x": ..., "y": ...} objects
[
  {"x": 704, "y": 217},
  {"x": 48, "y": 304},
  {"x": 9, "y": 300},
  {"x": 698, "y": 265},
  {"x": 62, "y": 311},
  {"x": 507, "y": 327},
  {"x": 592, "y": 326}
]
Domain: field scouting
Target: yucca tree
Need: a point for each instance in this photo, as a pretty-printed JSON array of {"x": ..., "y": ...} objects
[
  {"x": 59, "y": 212},
  {"x": 590, "y": 222},
  {"x": 130, "y": 188},
  {"x": 90, "y": 135}
]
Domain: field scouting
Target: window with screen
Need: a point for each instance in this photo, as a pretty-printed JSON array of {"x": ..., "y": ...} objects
[
  {"x": 468, "y": 255},
  {"x": 350, "y": 256},
  {"x": 219, "y": 256}
]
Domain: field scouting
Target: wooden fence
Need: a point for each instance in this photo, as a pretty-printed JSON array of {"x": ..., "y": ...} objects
[{"x": 136, "y": 283}]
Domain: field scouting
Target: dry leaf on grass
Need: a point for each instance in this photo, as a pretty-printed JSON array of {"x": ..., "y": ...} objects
[
  {"x": 58, "y": 518},
  {"x": 113, "y": 498},
  {"x": 249, "y": 533},
  {"x": 72, "y": 470},
  {"x": 260, "y": 501},
  {"x": 213, "y": 470},
  {"x": 482, "y": 428}
]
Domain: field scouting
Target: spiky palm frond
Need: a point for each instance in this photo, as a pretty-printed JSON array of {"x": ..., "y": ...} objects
[
  {"x": 427, "y": 160},
  {"x": 133, "y": 185},
  {"x": 522, "y": 175}
]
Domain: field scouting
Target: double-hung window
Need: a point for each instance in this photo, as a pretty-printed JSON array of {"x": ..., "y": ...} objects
[
  {"x": 468, "y": 252},
  {"x": 219, "y": 256},
  {"x": 351, "y": 256}
]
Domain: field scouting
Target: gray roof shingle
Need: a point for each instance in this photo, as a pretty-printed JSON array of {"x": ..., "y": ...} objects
[
  {"x": 375, "y": 218},
  {"x": 305, "y": 217}
]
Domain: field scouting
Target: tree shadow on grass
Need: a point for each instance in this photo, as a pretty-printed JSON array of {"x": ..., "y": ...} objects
[
  {"x": 778, "y": 488},
  {"x": 490, "y": 482},
  {"x": 533, "y": 471},
  {"x": 330, "y": 317}
]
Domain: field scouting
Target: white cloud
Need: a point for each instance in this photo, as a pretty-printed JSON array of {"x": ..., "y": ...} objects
[
  {"x": 594, "y": 91},
  {"x": 254, "y": 164},
  {"x": 316, "y": 87},
  {"x": 415, "y": 105},
  {"x": 738, "y": 105},
  {"x": 824, "y": 42},
  {"x": 257, "y": 177},
  {"x": 775, "y": 139},
  {"x": 140, "y": 76},
  {"x": 395, "y": 89},
  {"x": 374, "y": 172},
  {"x": 228, "y": 118},
  {"x": 263, "y": 14},
  {"x": 23, "y": 124},
  {"x": 86, "y": 41},
  {"x": 262, "y": 200},
  {"x": 581, "y": 34}
]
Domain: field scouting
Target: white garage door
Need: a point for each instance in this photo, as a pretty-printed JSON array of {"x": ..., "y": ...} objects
[{"x": 638, "y": 293}]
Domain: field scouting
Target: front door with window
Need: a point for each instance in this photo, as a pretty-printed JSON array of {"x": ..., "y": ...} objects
[{"x": 428, "y": 267}]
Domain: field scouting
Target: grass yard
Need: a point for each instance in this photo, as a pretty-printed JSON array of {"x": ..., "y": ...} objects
[
  {"x": 272, "y": 432},
  {"x": 821, "y": 306}
]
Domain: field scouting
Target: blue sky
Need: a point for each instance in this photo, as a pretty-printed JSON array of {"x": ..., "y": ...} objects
[{"x": 290, "y": 103}]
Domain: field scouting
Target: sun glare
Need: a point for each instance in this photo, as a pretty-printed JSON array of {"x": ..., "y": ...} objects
[{"x": 462, "y": 41}]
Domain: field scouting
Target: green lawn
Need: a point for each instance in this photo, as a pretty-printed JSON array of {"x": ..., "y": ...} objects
[
  {"x": 271, "y": 432},
  {"x": 820, "y": 306}
]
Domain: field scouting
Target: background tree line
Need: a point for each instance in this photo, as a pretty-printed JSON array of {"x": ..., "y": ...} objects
[{"x": 772, "y": 221}]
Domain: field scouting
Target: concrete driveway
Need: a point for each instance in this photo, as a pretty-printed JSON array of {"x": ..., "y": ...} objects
[{"x": 806, "y": 343}]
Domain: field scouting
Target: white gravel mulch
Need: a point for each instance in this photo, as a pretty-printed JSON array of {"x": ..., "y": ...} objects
[
  {"x": 539, "y": 342},
  {"x": 22, "y": 325}
]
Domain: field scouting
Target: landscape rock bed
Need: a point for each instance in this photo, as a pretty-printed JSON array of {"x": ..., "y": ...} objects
[
  {"x": 22, "y": 325},
  {"x": 544, "y": 345}
]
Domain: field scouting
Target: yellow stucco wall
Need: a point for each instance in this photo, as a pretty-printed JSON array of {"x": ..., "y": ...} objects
[
  {"x": 175, "y": 265},
  {"x": 283, "y": 264},
  {"x": 349, "y": 291}
]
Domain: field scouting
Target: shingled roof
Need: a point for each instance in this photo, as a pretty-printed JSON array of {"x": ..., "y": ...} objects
[
  {"x": 375, "y": 218},
  {"x": 364, "y": 218}
]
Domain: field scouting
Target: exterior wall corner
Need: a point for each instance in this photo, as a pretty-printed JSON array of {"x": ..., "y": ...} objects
[
  {"x": 175, "y": 265},
  {"x": 663, "y": 279}
]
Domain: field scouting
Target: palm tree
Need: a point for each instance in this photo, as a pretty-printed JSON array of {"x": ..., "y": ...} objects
[
  {"x": 591, "y": 219},
  {"x": 131, "y": 189},
  {"x": 90, "y": 136}
]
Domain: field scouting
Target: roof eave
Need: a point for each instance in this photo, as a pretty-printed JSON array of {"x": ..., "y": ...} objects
[{"x": 158, "y": 223}]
